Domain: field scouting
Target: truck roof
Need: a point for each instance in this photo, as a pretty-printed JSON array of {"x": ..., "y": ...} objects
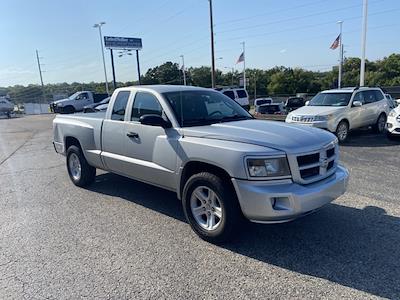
[{"x": 164, "y": 88}]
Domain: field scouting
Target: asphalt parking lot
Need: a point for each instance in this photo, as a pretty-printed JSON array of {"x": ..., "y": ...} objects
[{"x": 121, "y": 239}]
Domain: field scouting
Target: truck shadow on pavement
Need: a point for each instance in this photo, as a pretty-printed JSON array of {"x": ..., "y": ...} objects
[{"x": 357, "y": 248}]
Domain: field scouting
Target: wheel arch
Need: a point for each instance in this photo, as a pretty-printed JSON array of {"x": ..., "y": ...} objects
[{"x": 196, "y": 166}]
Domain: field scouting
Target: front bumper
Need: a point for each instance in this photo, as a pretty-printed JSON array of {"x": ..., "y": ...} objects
[
  {"x": 330, "y": 125},
  {"x": 266, "y": 202},
  {"x": 55, "y": 109},
  {"x": 393, "y": 125}
]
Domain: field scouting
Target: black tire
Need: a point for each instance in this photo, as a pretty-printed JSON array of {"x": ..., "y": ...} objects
[
  {"x": 231, "y": 213},
  {"x": 68, "y": 109},
  {"x": 392, "y": 137},
  {"x": 378, "y": 128},
  {"x": 342, "y": 131},
  {"x": 87, "y": 174}
]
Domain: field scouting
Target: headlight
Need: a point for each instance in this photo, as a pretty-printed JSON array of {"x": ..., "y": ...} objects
[
  {"x": 59, "y": 104},
  {"x": 323, "y": 118},
  {"x": 269, "y": 167}
]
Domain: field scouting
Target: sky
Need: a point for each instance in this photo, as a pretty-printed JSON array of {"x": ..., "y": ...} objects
[{"x": 290, "y": 33}]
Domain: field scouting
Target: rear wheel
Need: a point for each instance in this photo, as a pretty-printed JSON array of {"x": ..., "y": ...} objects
[
  {"x": 211, "y": 207},
  {"x": 379, "y": 126},
  {"x": 342, "y": 131},
  {"x": 79, "y": 171}
]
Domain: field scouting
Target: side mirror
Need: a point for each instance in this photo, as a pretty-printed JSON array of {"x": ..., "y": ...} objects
[
  {"x": 154, "y": 120},
  {"x": 307, "y": 102},
  {"x": 357, "y": 104}
]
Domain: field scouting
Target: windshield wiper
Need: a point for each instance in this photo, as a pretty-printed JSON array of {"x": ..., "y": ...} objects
[{"x": 233, "y": 118}]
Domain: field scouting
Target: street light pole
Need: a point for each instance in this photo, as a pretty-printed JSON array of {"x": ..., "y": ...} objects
[
  {"x": 340, "y": 55},
  {"x": 98, "y": 25},
  {"x": 212, "y": 47},
  {"x": 363, "y": 42},
  {"x": 183, "y": 70}
]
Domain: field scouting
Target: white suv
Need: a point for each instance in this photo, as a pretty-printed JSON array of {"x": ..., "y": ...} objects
[
  {"x": 393, "y": 123},
  {"x": 344, "y": 109},
  {"x": 238, "y": 94}
]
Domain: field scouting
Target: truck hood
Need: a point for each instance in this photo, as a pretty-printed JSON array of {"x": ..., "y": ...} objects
[
  {"x": 60, "y": 101},
  {"x": 276, "y": 135},
  {"x": 317, "y": 110}
]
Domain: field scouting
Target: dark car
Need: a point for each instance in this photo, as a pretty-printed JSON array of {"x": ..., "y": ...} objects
[
  {"x": 270, "y": 109},
  {"x": 92, "y": 107},
  {"x": 293, "y": 103}
]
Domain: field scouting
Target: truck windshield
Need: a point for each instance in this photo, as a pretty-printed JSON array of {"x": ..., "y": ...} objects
[
  {"x": 331, "y": 99},
  {"x": 73, "y": 96},
  {"x": 195, "y": 108}
]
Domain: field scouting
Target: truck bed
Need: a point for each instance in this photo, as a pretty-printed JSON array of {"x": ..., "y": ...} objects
[{"x": 84, "y": 127}]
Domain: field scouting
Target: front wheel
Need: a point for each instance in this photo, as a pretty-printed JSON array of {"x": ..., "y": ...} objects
[
  {"x": 79, "y": 171},
  {"x": 379, "y": 126},
  {"x": 342, "y": 131},
  {"x": 211, "y": 207}
]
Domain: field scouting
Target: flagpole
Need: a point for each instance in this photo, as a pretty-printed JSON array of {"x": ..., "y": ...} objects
[
  {"x": 244, "y": 66},
  {"x": 340, "y": 55}
]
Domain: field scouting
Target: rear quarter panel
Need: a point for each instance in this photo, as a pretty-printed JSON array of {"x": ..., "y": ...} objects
[{"x": 87, "y": 130}]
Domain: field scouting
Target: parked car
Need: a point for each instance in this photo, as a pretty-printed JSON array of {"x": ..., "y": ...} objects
[
  {"x": 222, "y": 163},
  {"x": 6, "y": 107},
  {"x": 93, "y": 107},
  {"x": 238, "y": 94},
  {"x": 293, "y": 103},
  {"x": 393, "y": 123},
  {"x": 76, "y": 102},
  {"x": 345, "y": 109},
  {"x": 270, "y": 109},
  {"x": 262, "y": 101},
  {"x": 392, "y": 102}
]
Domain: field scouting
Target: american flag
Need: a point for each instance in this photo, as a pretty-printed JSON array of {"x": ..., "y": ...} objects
[
  {"x": 241, "y": 58},
  {"x": 335, "y": 43}
]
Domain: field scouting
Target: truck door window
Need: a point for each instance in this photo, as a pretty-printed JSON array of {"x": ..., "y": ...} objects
[
  {"x": 359, "y": 97},
  {"x": 145, "y": 104},
  {"x": 119, "y": 107},
  {"x": 378, "y": 95},
  {"x": 369, "y": 97}
]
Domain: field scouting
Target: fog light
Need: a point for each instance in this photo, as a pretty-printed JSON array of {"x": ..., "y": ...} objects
[{"x": 280, "y": 203}]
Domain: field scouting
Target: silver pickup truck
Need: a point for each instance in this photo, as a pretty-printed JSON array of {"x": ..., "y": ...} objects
[{"x": 224, "y": 165}]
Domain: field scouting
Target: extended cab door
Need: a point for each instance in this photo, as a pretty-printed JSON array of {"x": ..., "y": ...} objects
[
  {"x": 150, "y": 149},
  {"x": 113, "y": 134}
]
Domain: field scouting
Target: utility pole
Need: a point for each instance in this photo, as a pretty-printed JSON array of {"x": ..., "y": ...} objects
[
  {"x": 363, "y": 42},
  {"x": 255, "y": 86},
  {"x": 212, "y": 47},
  {"x": 244, "y": 66},
  {"x": 138, "y": 65},
  {"x": 40, "y": 73},
  {"x": 113, "y": 68},
  {"x": 183, "y": 70},
  {"x": 99, "y": 25},
  {"x": 340, "y": 55}
]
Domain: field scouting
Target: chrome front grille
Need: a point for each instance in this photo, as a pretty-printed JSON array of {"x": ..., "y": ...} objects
[
  {"x": 314, "y": 166},
  {"x": 303, "y": 119}
]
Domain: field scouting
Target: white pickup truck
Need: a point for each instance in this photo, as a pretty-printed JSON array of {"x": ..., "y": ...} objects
[
  {"x": 76, "y": 102},
  {"x": 223, "y": 165}
]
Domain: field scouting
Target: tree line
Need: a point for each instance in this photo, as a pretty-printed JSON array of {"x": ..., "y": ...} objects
[{"x": 277, "y": 81}]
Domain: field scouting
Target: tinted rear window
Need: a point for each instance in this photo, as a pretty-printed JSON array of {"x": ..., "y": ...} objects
[
  {"x": 119, "y": 108},
  {"x": 230, "y": 94},
  {"x": 241, "y": 93}
]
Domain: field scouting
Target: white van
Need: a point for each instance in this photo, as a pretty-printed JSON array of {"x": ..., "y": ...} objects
[{"x": 238, "y": 94}]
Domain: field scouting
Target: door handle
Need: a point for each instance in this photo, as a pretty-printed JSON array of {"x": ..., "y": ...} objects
[{"x": 132, "y": 135}]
